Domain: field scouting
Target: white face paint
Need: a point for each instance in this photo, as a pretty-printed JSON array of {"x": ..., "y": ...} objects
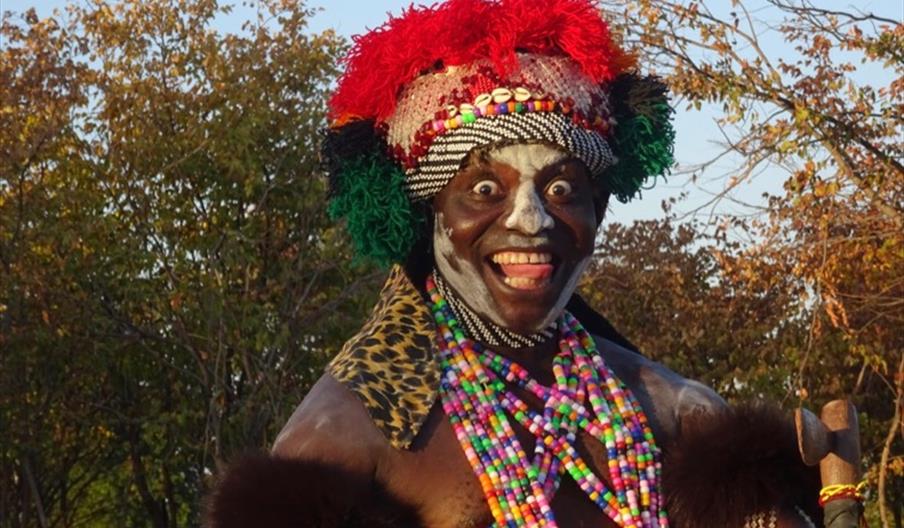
[
  {"x": 528, "y": 216},
  {"x": 565, "y": 294},
  {"x": 464, "y": 278}
]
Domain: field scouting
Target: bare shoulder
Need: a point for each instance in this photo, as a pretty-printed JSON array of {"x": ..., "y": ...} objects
[
  {"x": 322, "y": 471},
  {"x": 331, "y": 425},
  {"x": 666, "y": 396}
]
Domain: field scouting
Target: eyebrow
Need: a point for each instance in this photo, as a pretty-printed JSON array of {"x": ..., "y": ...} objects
[{"x": 481, "y": 157}]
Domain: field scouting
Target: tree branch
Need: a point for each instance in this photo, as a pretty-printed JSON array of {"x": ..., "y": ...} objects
[{"x": 889, "y": 440}]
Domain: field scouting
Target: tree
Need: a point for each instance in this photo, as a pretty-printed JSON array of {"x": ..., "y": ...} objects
[
  {"x": 169, "y": 277},
  {"x": 663, "y": 285},
  {"x": 836, "y": 229}
]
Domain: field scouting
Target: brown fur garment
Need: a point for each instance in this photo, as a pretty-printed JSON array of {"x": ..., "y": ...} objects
[
  {"x": 261, "y": 490},
  {"x": 742, "y": 461}
]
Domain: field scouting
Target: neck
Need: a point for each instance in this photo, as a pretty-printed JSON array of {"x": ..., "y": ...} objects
[
  {"x": 491, "y": 335},
  {"x": 536, "y": 360}
]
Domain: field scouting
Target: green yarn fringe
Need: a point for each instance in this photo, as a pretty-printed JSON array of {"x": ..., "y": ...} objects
[
  {"x": 380, "y": 219},
  {"x": 644, "y": 137}
]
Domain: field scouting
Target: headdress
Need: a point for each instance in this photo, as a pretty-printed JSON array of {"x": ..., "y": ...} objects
[{"x": 425, "y": 88}]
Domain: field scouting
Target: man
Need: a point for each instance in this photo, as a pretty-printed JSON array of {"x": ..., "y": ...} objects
[{"x": 477, "y": 144}]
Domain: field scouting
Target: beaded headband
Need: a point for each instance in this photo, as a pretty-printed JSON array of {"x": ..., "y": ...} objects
[{"x": 423, "y": 90}]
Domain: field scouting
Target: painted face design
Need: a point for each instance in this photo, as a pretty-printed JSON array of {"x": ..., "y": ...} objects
[{"x": 513, "y": 232}]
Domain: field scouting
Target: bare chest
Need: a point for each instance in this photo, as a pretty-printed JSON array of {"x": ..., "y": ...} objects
[{"x": 436, "y": 476}]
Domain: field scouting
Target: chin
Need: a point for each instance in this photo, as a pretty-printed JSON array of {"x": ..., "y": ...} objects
[
  {"x": 521, "y": 288},
  {"x": 527, "y": 314},
  {"x": 527, "y": 307}
]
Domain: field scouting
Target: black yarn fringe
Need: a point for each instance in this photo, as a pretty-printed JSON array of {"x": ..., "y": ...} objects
[
  {"x": 272, "y": 492},
  {"x": 355, "y": 140},
  {"x": 740, "y": 462}
]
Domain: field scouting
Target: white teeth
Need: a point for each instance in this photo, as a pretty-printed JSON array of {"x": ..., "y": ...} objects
[
  {"x": 521, "y": 282},
  {"x": 518, "y": 257}
]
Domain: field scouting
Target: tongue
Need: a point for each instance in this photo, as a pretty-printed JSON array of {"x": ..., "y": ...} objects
[{"x": 527, "y": 271}]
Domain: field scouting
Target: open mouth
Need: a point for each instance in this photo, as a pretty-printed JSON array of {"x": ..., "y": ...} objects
[{"x": 523, "y": 270}]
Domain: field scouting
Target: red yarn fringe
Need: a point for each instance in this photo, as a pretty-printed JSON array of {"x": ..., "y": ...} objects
[{"x": 459, "y": 32}]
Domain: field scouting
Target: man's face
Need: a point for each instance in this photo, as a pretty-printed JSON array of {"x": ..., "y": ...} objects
[{"x": 513, "y": 232}]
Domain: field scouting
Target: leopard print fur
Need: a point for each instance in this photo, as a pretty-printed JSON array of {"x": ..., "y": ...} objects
[{"x": 390, "y": 364}]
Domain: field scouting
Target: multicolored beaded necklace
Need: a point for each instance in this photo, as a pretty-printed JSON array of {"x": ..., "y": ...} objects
[{"x": 519, "y": 489}]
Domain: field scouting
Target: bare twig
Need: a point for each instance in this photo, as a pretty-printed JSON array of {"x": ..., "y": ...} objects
[
  {"x": 35, "y": 492},
  {"x": 889, "y": 440},
  {"x": 809, "y": 8}
]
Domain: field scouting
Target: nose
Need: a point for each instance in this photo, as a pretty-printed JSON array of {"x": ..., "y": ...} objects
[{"x": 528, "y": 214}]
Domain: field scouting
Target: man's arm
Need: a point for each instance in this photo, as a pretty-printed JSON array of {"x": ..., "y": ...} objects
[
  {"x": 332, "y": 426},
  {"x": 667, "y": 398},
  {"x": 320, "y": 472}
]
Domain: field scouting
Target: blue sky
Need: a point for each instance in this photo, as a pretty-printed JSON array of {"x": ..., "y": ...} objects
[{"x": 696, "y": 130}]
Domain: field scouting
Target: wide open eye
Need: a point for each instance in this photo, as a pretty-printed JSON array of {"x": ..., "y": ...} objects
[
  {"x": 486, "y": 188},
  {"x": 559, "y": 189}
]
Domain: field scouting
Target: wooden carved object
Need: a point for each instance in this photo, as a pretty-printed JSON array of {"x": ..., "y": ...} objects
[{"x": 833, "y": 442}]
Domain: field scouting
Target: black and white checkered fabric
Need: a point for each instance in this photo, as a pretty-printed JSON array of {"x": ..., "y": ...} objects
[
  {"x": 445, "y": 156},
  {"x": 487, "y": 332}
]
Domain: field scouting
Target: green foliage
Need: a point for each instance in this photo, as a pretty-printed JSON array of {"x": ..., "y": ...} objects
[
  {"x": 663, "y": 286},
  {"x": 169, "y": 277}
]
